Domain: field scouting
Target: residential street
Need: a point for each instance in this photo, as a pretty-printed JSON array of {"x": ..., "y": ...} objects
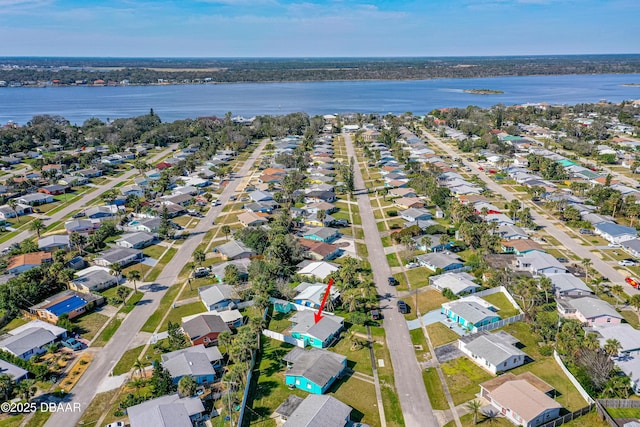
[
  {"x": 551, "y": 227},
  {"x": 105, "y": 360},
  {"x": 86, "y": 198},
  {"x": 414, "y": 401}
]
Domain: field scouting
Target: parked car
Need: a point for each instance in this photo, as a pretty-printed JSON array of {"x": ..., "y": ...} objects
[
  {"x": 215, "y": 202},
  {"x": 116, "y": 424},
  {"x": 201, "y": 272},
  {"x": 78, "y": 215},
  {"x": 376, "y": 315},
  {"x": 614, "y": 245},
  {"x": 627, "y": 262},
  {"x": 403, "y": 307},
  {"x": 412, "y": 265},
  {"x": 72, "y": 343},
  {"x": 585, "y": 231},
  {"x": 232, "y": 198},
  {"x": 562, "y": 259},
  {"x": 392, "y": 281}
]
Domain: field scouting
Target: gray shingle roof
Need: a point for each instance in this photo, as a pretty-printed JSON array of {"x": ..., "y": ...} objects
[
  {"x": 117, "y": 254},
  {"x": 136, "y": 238},
  {"x": 319, "y": 411},
  {"x": 26, "y": 340},
  {"x": 203, "y": 325},
  {"x": 306, "y": 324},
  {"x": 495, "y": 348},
  {"x": 471, "y": 311},
  {"x": 189, "y": 363},
  {"x": 216, "y": 293},
  {"x": 316, "y": 365},
  {"x": 165, "y": 411},
  {"x": 94, "y": 279},
  {"x": 233, "y": 248},
  {"x": 594, "y": 307}
]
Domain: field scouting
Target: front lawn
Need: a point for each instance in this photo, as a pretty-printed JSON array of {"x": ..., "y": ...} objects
[
  {"x": 154, "y": 251},
  {"x": 439, "y": 334},
  {"x": 419, "y": 277},
  {"x": 434, "y": 389},
  {"x": 176, "y": 314},
  {"x": 463, "y": 378},
  {"x": 358, "y": 360},
  {"x": 392, "y": 259},
  {"x": 125, "y": 364},
  {"x": 89, "y": 324}
]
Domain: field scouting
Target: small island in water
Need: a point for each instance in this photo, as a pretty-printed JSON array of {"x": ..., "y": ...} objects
[
  {"x": 631, "y": 85},
  {"x": 483, "y": 91}
]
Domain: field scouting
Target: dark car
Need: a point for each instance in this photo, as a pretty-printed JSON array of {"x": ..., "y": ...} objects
[
  {"x": 376, "y": 315},
  {"x": 78, "y": 215},
  {"x": 392, "y": 281},
  {"x": 403, "y": 307}
]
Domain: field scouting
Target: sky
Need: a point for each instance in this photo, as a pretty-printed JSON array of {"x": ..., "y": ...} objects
[{"x": 316, "y": 28}]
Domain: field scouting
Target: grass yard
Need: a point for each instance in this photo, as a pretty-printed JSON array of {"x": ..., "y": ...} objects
[
  {"x": 631, "y": 318},
  {"x": 439, "y": 334},
  {"x": 13, "y": 421},
  {"x": 195, "y": 284},
  {"x": 131, "y": 302},
  {"x": 381, "y": 226},
  {"x": 420, "y": 344},
  {"x": 125, "y": 364},
  {"x": 19, "y": 321},
  {"x": 418, "y": 277},
  {"x": 165, "y": 304},
  {"x": 467, "y": 421},
  {"x": 463, "y": 378},
  {"x": 499, "y": 299},
  {"x": 392, "y": 409},
  {"x": 107, "y": 333},
  {"x": 362, "y": 250},
  {"x": 358, "y": 360},
  {"x": 434, "y": 389},
  {"x": 430, "y": 300},
  {"x": 89, "y": 324},
  {"x": 361, "y": 396},
  {"x": 624, "y": 412},
  {"x": 176, "y": 314},
  {"x": 392, "y": 259},
  {"x": 38, "y": 419},
  {"x": 154, "y": 251},
  {"x": 545, "y": 367},
  {"x": 386, "y": 241},
  {"x": 142, "y": 268},
  {"x": 162, "y": 263}
]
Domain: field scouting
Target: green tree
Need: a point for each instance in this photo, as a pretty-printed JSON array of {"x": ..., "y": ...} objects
[
  {"x": 78, "y": 240},
  {"x": 226, "y": 230},
  {"x": 37, "y": 226},
  {"x": 134, "y": 276},
  {"x": 116, "y": 270},
  {"x": 13, "y": 204},
  {"x": 138, "y": 365},
  {"x": 27, "y": 389},
  {"x": 176, "y": 337},
  {"x": 474, "y": 406},
  {"x": 231, "y": 274},
  {"x": 612, "y": 346},
  {"x": 187, "y": 386},
  {"x": 161, "y": 382},
  {"x": 199, "y": 257},
  {"x": 6, "y": 387}
]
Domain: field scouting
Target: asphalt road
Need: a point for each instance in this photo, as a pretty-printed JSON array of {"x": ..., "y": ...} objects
[
  {"x": 551, "y": 227},
  {"x": 86, "y": 198},
  {"x": 415, "y": 404},
  {"x": 106, "y": 359}
]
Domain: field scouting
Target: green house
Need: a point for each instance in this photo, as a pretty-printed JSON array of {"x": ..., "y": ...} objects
[{"x": 313, "y": 370}]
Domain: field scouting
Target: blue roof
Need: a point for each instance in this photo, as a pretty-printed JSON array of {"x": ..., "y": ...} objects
[
  {"x": 614, "y": 229},
  {"x": 67, "y": 305}
]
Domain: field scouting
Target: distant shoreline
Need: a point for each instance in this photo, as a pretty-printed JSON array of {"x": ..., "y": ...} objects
[{"x": 630, "y": 84}]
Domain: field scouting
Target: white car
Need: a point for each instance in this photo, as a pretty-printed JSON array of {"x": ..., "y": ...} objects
[
  {"x": 614, "y": 245},
  {"x": 116, "y": 424},
  {"x": 626, "y": 263}
]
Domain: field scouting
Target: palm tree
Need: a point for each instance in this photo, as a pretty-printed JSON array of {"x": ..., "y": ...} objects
[
  {"x": 612, "y": 346},
  {"x": 6, "y": 386},
  {"x": 321, "y": 215},
  {"x": 586, "y": 264},
  {"x": 116, "y": 269},
  {"x": 134, "y": 275},
  {"x": 199, "y": 256},
  {"x": 138, "y": 383},
  {"x": 78, "y": 240},
  {"x": 226, "y": 230},
  {"x": 635, "y": 303},
  {"x": 37, "y": 225},
  {"x": 474, "y": 406},
  {"x": 27, "y": 389},
  {"x": 13, "y": 204},
  {"x": 426, "y": 241},
  {"x": 139, "y": 366}
]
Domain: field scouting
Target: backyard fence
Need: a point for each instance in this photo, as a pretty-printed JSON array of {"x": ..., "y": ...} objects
[
  {"x": 495, "y": 291},
  {"x": 568, "y": 417},
  {"x": 603, "y": 404},
  {"x": 499, "y": 324},
  {"x": 247, "y": 387},
  {"x": 573, "y": 379},
  {"x": 283, "y": 338}
]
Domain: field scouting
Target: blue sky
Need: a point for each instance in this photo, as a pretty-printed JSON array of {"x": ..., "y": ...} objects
[{"x": 291, "y": 28}]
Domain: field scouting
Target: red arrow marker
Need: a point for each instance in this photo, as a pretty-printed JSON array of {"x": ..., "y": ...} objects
[{"x": 317, "y": 316}]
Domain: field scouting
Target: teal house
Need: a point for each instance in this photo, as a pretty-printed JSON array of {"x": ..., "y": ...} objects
[
  {"x": 469, "y": 313},
  {"x": 318, "y": 335},
  {"x": 322, "y": 234},
  {"x": 313, "y": 370}
]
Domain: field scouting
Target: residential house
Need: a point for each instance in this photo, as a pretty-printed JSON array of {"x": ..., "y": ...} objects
[
  {"x": 33, "y": 338},
  {"x": 189, "y": 364},
  {"x": 470, "y": 313},
  {"x": 234, "y": 249},
  {"x": 81, "y": 226},
  {"x": 14, "y": 372},
  {"x": 138, "y": 240},
  {"x": 615, "y": 233},
  {"x": 204, "y": 329},
  {"x": 212, "y": 354},
  {"x": 53, "y": 190},
  {"x": 402, "y": 192},
  {"x": 444, "y": 261},
  {"x": 68, "y": 302},
  {"x": 511, "y": 232},
  {"x": 494, "y": 352},
  {"x": 132, "y": 190},
  {"x": 242, "y": 265},
  {"x": 319, "y": 269},
  {"x": 311, "y": 294},
  {"x": 218, "y": 297},
  {"x": 101, "y": 212},
  {"x": 252, "y": 219},
  {"x": 171, "y": 410},
  {"x": 540, "y": 263},
  {"x": 624, "y": 333},
  {"x": 233, "y": 318},
  {"x": 320, "y": 196},
  {"x": 260, "y": 196},
  {"x": 119, "y": 255},
  {"x": 433, "y": 242},
  {"x": 458, "y": 283},
  {"x": 415, "y": 214},
  {"x": 89, "y": 173},
  {"x": 632, "y": 247},
  {"x": 568, "y": 285},
  {"x": 409, "y": 202},
  {"x": 54, "y": 242},
  {"x": 322, "y": 234},
  {"x": 314, "y": 410},
  {"x": 315, "y": 334},
  {"x": 319, "y": 251},
  {"x": 35, "y": 199},
  {"x": 589, "y": 310},
  {"x": 313, "y": 370},
  {"x": 149, "y": 225},
  {"x": 521, "y": 246},
  {"x": 94, "y": 280},
  {"x": 24, "y": 262},
  {"x": 524, "y": 399}
]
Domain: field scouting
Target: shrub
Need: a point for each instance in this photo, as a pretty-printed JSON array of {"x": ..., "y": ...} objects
[
  {"x": 392, "y": 213},
  {"x": 546, "y": 350}
]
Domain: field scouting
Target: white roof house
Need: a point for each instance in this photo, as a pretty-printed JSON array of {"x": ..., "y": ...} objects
[
  {"x": 495, "y": 352},
  {"x": 319, "y": 269},
  {"x": 458, "y": 283}
]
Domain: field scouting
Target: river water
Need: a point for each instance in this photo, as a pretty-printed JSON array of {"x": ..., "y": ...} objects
[{"x": 249, "y": 99}]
